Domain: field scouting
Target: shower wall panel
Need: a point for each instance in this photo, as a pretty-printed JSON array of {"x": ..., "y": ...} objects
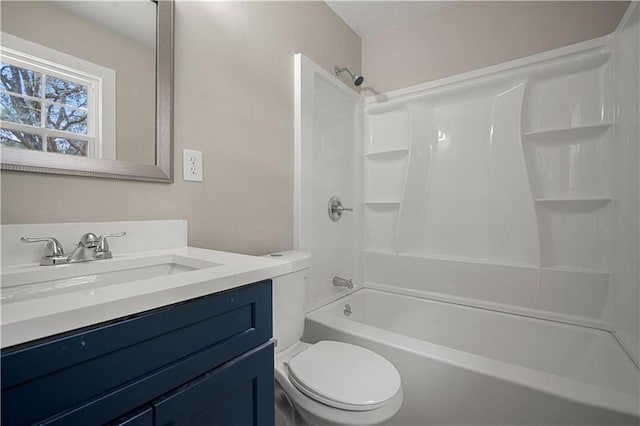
[
  {"x": 468, "y": 180},
  {"x": 328, "y": 156},
  {"x": 626, "y": 183},
  {"x": 495, "y": 188}
]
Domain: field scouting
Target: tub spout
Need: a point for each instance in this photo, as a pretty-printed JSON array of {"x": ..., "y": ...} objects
[{"x": 342, "y": 282}]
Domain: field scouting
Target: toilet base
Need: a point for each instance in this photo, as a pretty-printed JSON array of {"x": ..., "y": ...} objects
[
  {"x": 286, "y": 413},
  {"x": 310, "y": 419},
  {"x": 313, "y": 413}
]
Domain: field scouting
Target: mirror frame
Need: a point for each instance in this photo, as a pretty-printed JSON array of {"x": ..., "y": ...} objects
[{"x": 42, "y": 162}]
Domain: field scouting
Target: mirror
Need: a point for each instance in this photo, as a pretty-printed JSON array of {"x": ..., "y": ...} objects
[{"x": 87, "y": 88}]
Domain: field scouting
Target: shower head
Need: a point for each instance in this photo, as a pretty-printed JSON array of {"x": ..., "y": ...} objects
[{"x": 357, "y": 79}]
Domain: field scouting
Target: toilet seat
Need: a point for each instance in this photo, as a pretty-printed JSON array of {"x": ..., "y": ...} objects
[{"x": 344, "y": 376}]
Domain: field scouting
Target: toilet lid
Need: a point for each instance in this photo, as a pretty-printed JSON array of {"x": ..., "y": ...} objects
[{"x": 344, "y": 376}]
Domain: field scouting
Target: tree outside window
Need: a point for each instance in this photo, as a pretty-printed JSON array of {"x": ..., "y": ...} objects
[{"x": 43, "y": 111}]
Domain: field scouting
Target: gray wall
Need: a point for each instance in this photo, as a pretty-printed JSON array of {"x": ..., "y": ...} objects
[
  {"x": 472, "y": 35},
  {"x": 233, "y": 102}
]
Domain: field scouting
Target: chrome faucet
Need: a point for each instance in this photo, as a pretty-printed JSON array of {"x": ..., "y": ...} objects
[{"x": 89, "y": 248}]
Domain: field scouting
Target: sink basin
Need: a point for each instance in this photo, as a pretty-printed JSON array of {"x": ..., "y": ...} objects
[{"x": 46, "y": 281}]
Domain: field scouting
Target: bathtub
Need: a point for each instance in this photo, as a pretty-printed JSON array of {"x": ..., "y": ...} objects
[{"x": 469, "y": 366}]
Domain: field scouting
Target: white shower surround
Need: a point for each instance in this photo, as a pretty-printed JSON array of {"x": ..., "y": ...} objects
[
  {"x": 513, "y": 188},
  {"x": 328, "y": 119},
  {"x": 502, "y": 191},
  {"x": 503, "y": 188}
]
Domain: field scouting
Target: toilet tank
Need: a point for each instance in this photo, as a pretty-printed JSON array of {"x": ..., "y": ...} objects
[{"x": 289, "y": 298}]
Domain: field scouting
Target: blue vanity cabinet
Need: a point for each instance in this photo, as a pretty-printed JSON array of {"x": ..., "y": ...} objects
[{"x": 185, "y": 363}]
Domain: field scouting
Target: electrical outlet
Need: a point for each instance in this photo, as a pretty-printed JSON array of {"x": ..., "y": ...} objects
[{"x": 192, "y": 165}]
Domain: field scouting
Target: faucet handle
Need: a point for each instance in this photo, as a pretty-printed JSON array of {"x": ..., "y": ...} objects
[
  {"x": 53, "y": 247},
  {"x": 103, "y": 245},
  {"x": 53, "y": 251}
]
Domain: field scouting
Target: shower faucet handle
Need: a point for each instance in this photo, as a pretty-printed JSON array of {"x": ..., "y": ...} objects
[{"x": 335, "y": 209}]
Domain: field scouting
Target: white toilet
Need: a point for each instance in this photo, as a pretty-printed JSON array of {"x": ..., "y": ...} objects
[{"x": 328, "y": 383}]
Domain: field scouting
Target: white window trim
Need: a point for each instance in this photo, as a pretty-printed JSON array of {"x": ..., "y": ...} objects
[{"x": 103, "y": 129}]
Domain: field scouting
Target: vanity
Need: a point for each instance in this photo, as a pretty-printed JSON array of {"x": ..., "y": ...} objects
[
  {"x": 141, "y": 330},
  {"x": 158, "y": 336}
]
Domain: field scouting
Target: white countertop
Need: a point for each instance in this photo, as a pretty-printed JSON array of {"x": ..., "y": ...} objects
[{"x": 26, "y": 320}]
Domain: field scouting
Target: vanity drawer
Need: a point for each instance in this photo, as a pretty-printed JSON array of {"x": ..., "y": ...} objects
[
  {"x": 146, "y": 354},
  {"x": 238, "y": 393}
]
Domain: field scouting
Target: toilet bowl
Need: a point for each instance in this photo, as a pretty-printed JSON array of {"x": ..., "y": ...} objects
[
  {"x": 355, "y": 398},
  {"x": 327, "y": 383}
]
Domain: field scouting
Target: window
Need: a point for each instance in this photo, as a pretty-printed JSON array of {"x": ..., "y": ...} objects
[
  {"x": 50, "y": 106},
  {"x": 41, "y": 110}
]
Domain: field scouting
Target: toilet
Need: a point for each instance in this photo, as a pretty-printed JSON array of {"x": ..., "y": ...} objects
[{"x": 326, "y": 383}]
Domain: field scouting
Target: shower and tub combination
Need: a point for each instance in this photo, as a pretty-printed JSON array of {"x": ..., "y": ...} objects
[{"x": 494, "y": 240}]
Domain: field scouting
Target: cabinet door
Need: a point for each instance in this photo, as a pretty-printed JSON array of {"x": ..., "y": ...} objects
[{"x": 239, "y": 393}]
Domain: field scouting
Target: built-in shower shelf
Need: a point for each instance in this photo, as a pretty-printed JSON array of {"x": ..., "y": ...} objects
[
  {"x": 466, "y": 260},
  {"x": 388, "y": 155},
  {"x": 567, "y": 134},
  {"x": 384, "y": 108},
  {"x": 380, "y": 251},
  {"x": 382, "y": 203},
  {"x": 587, "y": 202},
  {"x": 571, "y": 269}
]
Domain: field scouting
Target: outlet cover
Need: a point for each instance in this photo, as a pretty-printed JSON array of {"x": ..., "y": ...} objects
[{"x": 192, "y": 165}]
